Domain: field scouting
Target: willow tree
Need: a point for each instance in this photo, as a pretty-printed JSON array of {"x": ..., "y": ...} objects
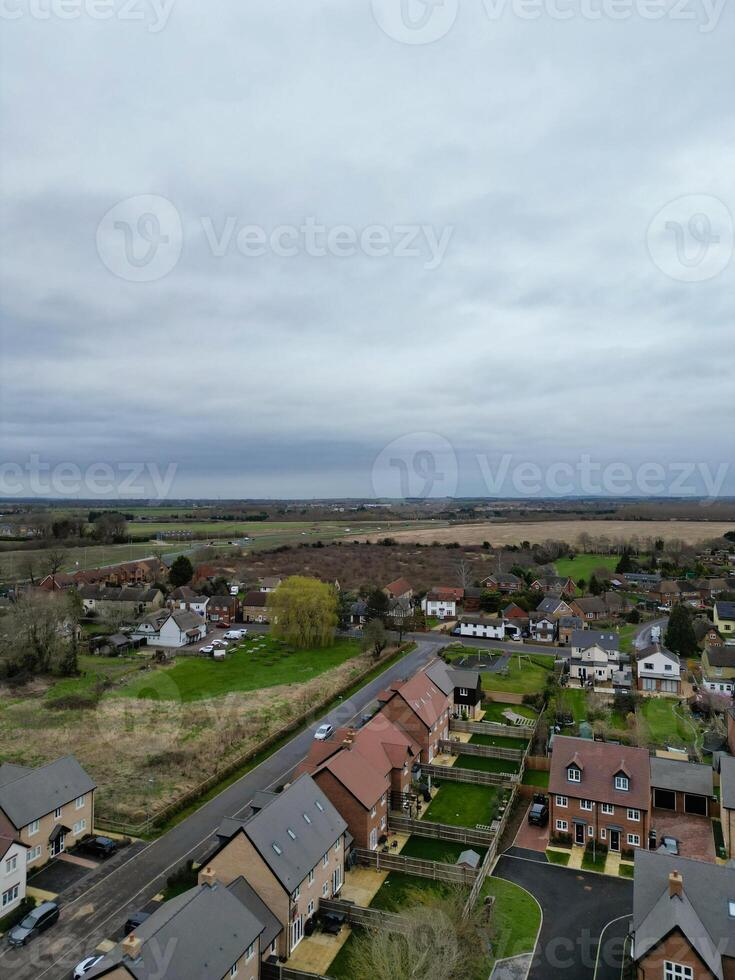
[{"x": 303, "y": 612}]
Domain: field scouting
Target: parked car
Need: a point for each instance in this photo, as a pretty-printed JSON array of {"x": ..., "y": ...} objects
[
  {"x": 87, "y": 964},
  {"x": 236, "y": 634},
  {"x": 208, "y": 649},
  {"x": 102, "y": 847},
  {"x": 38, "y": 920},
  {"x": 220, "y": 644},
  {"x": 539, "y": 812},
  {"x": 323, "y": 732},
  {"x": 135, "y": 919}
]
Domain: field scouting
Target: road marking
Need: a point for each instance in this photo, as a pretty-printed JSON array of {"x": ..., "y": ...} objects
[{"x": 599, "y": 942}]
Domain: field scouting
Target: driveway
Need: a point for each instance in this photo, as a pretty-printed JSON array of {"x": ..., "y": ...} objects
[
  {"x": 577, "y": 907},
  {"x": 100, "y": 911}
]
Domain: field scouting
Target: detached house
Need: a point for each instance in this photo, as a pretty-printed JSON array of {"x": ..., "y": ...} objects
[
  {"x": 442, "y": 602},
  {"x": 421, "y": 709},
  {"x": 400, "y": 589},
  {"x": 554, "y": 585},
  {"x": 255, "y": 607},
  {"x": 223, "y": 608},
  {"x": 683, "y": 919},
  {"x": 481, "y": 626},
  {"x": 291, "y": 850},
  {"x": 596, "y": 661},
  {"x": 554, "y": 606},
  {"x": 589, "y": 608},
  {"x": 505, "y": 582},
  {"x": 659, "y": 670},
  {"x": 718, "y": 670},
  {"x": 724, "y": 616},
  {"x": 600, "y": 791},
  {"x": 171, "y": 628},
  {"x": 48, "y": 808},
  {"x": 186, "y": 598}
]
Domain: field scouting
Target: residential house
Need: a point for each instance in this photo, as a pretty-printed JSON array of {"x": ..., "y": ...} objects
[
  {"x": 421, "y": 709},
  {"x": 514, "y": 611},
  {"x": 48, "y": 808},
  {"x": 358, "y": 613},
  {"x": 291, "y": 850},
  {"x": 554, "y": 585},
  {"x": 582, "y": 639},
  {"x": 683, "y": 787},
  {"x": 171, "y": 628},
  {"x": 690, "y": 593},
  {"x": 211, "y": 930},
  {"x": 598, "y": 668},
  {"x": 645, "y": 580},
  {"x": 186, "y": 598},
  {"x": 554, "y": 606},
  {"x": 462, "y": 687},
  {"x": 472, "y": 599},
  {"x": 270, "y": 583},
  {"x": 727, "y": 803},
  {"x": 223, "y": 609},
  {"x": 718, "y": 670},
  {"x": 124, "y": 600},
  {"x": 566, "y": 627},
  {"x": 683, "y": 912},
  {"x": 600, "y": 791},
  {"x": 442, "y": 603},
  {"x": 255, "y": 607},
  {"x": 659, "y": 670},
  {"x": 481, "y": 626},
  {"x": 400, "y": 612},
  {"x": 667, "y": 593},
  {"x": 615, "y": 604},
  {"x": 389, "y": 749},
  {"x": 542, "y": 627},
  {"x": 589, "y": 608},
  {"x": 724, "y": 616},
  {"x": 400, "y": 589},
  {"x": 505, "y": 582},
  {"x": 707, "y": 634},
  {"x": 13, "y": 862}
]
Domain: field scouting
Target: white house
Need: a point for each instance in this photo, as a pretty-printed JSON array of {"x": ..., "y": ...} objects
[
  {"x": 659, "y": 670},
  {"x": 597, "y": 667},
  {"x": 441, "y": 607},
  {"x": 488, "y": 629},
  {"x": 12, "y": 870},
  {"x": 584, "y": 639},
  {"x": 171, "y": 628}
]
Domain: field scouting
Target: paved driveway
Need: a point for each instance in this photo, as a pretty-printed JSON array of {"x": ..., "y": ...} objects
[{"x": 577, "y": 906}]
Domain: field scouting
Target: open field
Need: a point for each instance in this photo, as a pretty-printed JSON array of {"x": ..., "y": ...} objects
[
  {"x": 537, "y": 532},
  {"x": 583, "y": 566}
]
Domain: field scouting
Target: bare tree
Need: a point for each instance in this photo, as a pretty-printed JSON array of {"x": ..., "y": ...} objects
[{"x": 54, "y": 560}]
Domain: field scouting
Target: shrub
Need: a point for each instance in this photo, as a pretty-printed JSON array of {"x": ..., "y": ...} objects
[
  {"x": 627, "y": 853},
  {"x": 560, "y": 838},
  {"x": 80, "y": 700}
]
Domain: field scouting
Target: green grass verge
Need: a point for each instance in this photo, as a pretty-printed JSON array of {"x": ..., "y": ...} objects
[
  {"x": 432, "y": 849},
  {"x": 516, "y": 918},
  {"x": 626, "y": 870},
  {"x": 596, "y": 863},
  {"x": 261, "y": 661},
  {"x": 463, "y": 805},
  {"x": 558, "y": 857}
]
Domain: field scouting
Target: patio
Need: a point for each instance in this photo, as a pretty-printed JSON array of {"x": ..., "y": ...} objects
[
  {"x": 315, "y": 953},
  {"x": 694, "y": 834}
]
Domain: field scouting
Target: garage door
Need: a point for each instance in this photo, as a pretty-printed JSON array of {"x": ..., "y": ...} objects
[
  {"x": 664, "y": 799},
  {"x": 695, "y": 804}
]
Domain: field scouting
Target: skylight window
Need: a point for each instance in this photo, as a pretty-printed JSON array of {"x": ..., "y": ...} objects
[
  {"x": 319, "y": 806},
  {"x": 731, "y": 908},
  {"x": 306, "y": 817},
  {"x": 277, "y": 848},
  {"x": 291, "y": 834}
]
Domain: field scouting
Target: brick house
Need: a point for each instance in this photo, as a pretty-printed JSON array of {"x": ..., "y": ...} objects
[
  {"x": 554, "y": 606},
  {"x": 566, "y": 627},
  {"x": 48, "y": 808},
  {"x": 291, "y": 850},
  {"x": 505, "y": 582},
  {"x": 600, "y": 791},
  {"x": 514, "y": 611},
  {"x": 683, "y": 913},
  {"x": 554, "y": 585},
  {"x": 400, "y": 589},
  {"x": 223, "y": 608},
  {"x": 707, "y": 634},
  {"x": 590, "y": 608},
  {"x": 421, "y": 709},
  {"x": 255, "y": 607}
]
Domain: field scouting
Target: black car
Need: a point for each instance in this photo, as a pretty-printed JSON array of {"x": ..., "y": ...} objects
[
  {"x": 538, "y": 814},
  {"x": 38, "y": 920},
  {"x": 135, "y": 919},
  {"x": 101, "y": 847}
]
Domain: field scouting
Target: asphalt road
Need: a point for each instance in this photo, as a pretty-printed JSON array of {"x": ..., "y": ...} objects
[
  {"x": 101, "y": 911},
  {"x": 579, "y": 908}
]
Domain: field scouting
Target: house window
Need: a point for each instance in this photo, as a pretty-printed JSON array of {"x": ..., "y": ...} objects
[
  {"x": 634, "y": 840},
  {"x": 33, "y": 853},
  {"x": 677, "y": 971},
  {"x": 622, "y": 782},
  {"x": 11, "y": 864},
  {"x": 233, "y": 970},
  {"x": 311, "y": 877},
  {"x": 250, "y": 952},
  {"x": 603, "y": 833},
  {"x": 585, "y": 804},
  {"x": 297, "y": 894},
  {"x": 562, "y": 801},
  {"x": 608, "y": 808},
  {"x": 34, "y": 827},
  {"x": 79, "y": 827},
  {"x": 562, "y": 825},
  {"x": 634, "y": 814},
  {"x": 648, "y": 666},
  {"x": 373, "y": 811},
  {"x": 310, "y": 908},
  {"x": 574, "y": 775},
  {"x": 590, "y": 831},
  {"x": 463, "y": 692},
  {"x": 325, "y": 860},
  {"x": 325, "y": 889},
  {"x": 79, "y": 802},
  {"x": 10, "y": 895},
  {"x": 57, "y": 813}
]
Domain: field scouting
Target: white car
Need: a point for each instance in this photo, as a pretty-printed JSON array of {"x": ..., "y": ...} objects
[
  {"x": 207, "y": 649},
  {"x": 323, "y": 732},
  {"x": 83, "y": 968},
  {"x": 220, "y": 644},
  {"x": 235, "y": 634}
]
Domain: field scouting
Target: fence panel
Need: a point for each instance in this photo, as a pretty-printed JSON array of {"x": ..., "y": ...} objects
[
  {"x": 441, "y": 831},
  {"x": 452, "y": 774},
  {"x": 455, "y": 747},
  {"x": 359, "y": 915},
  {"x": 436, "y": 870},
  {"x": 491, "y": 728}
]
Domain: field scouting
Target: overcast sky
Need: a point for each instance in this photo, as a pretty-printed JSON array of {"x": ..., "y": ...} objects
[{"x": 251, "y": 318}]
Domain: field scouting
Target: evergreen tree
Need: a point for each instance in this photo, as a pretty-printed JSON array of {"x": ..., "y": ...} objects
[{"x": 680, "y": 638}]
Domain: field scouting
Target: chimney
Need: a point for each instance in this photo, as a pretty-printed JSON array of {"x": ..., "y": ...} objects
[
  {"x": 131, "y": 946},
  {"x": 207, "y": 876},
  {"x": 676, "y": 885}
]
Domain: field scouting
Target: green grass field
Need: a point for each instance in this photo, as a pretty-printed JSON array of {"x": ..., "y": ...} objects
[
  {"x": 525, "y": 675},
  {"x": 665, "y": 727},
  {"x": 516, "y": 918},
  {"x": 494, "y": 712},
  {"x": 463, "y": 805},
  {"x": 583, "y": 566},
  {"x": 400, "y": 891},
  {"x": 433, "y": 849},
  {"x": 500, "y": 741},
  {"x": 261, "y": 661}
]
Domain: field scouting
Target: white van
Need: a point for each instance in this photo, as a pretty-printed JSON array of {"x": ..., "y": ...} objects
[{"x": 235, "y": 634}]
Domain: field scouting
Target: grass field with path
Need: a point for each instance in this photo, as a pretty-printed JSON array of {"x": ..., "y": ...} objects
[{"x": 494, "y": 712}]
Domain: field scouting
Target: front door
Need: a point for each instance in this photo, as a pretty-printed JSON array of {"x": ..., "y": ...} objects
[
  {"x": 579, "y": 833},
  {"x": 57, "y": 846},
  {"x": 297, "y": 931},
  {"x": 614, "y": 840}
]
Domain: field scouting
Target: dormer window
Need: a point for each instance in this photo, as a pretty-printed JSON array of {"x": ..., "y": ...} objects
[
  {"x": 574, "y": 775},
  {"x": 622, "y": 782}
]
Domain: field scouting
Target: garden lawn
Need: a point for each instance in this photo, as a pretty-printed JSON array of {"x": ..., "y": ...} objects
[
  {"x": 536, "y": 777},
  {"x": 663, "y": 725},
  {"x": 494, "y": 712},
  {"x": 341, "y": 967},
  {"x": 259, "y": 662},
  {"x": 527, "y": 678},
  {"x": 479, "y": 764},
  {"x": 576, "y": 702},
  {"x": 516, "y": 917},
  {"x": 463, "y": 805},
  {"x": 433, "y": 849},
  {"x": 397, "y": 891},
  {"x": 558, "y": 857},
  {"x": 500, "y": 741}
]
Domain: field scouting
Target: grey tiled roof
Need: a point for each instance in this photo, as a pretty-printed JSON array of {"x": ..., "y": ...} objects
[
  {"x": 29, "y": 794},
  {"x": 727, "y": 781},
  {"x": 686, "y": 777}
]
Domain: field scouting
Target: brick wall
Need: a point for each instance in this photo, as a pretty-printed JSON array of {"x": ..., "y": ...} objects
[
  {"x": 361, "y": 821},
  {"x": 601, "y": 823}
]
